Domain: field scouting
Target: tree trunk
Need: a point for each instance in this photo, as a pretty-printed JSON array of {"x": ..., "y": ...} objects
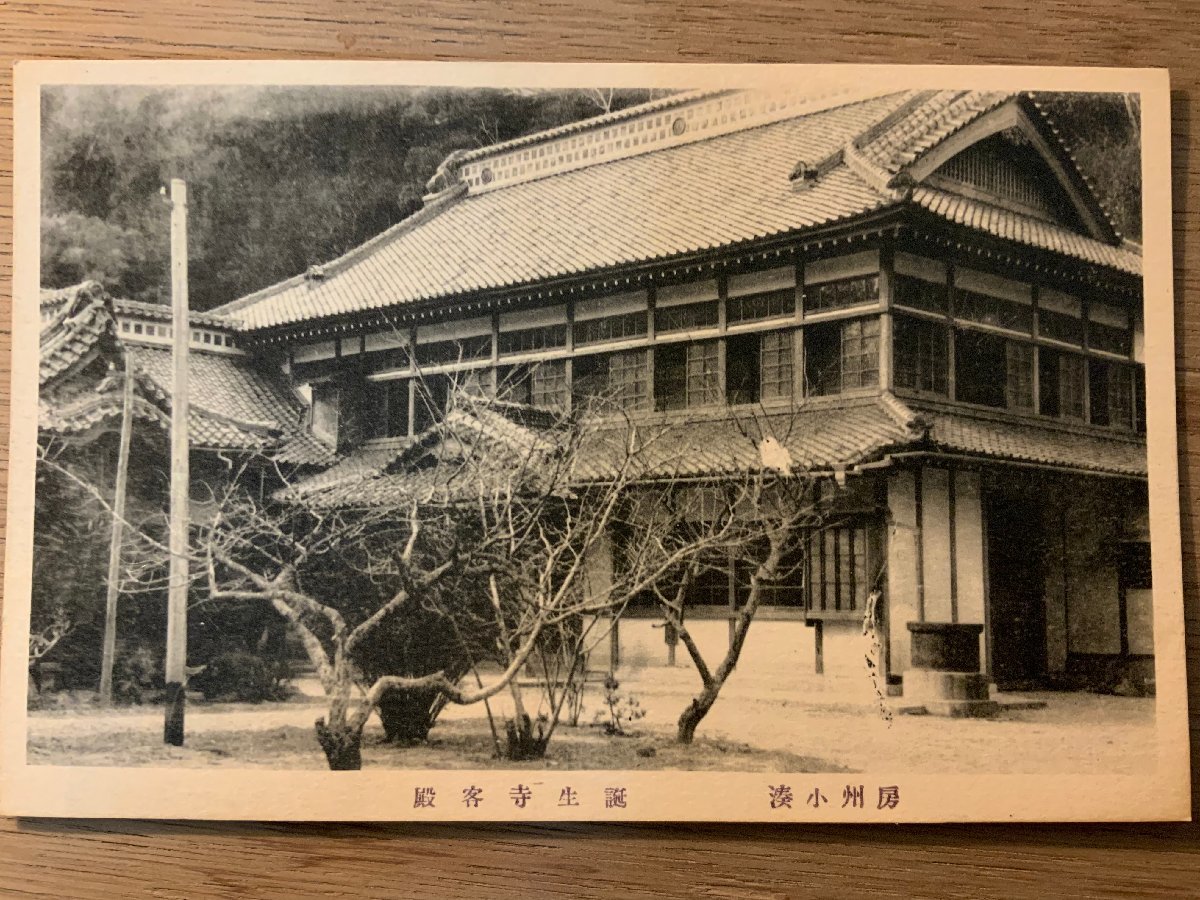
[
  {"x": 342, "y": 746},
  {"x": 521, "y": 741},
  {"x": 695, "y": 712},
  {"x": 408, "y": 716}
]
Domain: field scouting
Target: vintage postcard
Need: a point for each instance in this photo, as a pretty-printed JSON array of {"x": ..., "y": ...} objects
[{"x": 594, "y": 442}]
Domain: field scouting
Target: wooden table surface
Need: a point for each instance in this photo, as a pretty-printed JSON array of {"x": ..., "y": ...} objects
[{"x": 177, "y": 860}]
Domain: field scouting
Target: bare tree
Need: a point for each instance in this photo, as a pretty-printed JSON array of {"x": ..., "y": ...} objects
[
  {"x": 492, "y": 524},
  {"x": 755, "y": 519},
  {"x": 603, "y": 98}
]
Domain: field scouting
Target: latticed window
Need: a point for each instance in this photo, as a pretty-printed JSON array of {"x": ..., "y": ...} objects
[
  {"x": 842, "y": 293},
  {"x": 921, "y": 356},
  {"x": 612, "y": 379},
  {"x": 1062, "y": 378},
  {"x": 703, "y": 373},
  {"x": 837, "y": 578},
  {"x": 548, "y": 385},
  {"x": 1072, "y": 379},
  {"x": 842, "y": 356},
  {"x": 1111, "y": 388},
  {"x": 860, "y": 354},
  {"x": 1019, "y": 382},
  {"x": 611, "y": 328},
  {"x": 689, "y": 317},
  {"x": 758, "y": 367},
  {"x": 994, "y": 311},
  {"x": 754, "y": 307},
  {"x": 776, "y": 365},
  {"x": 531, "y": 340},
  {"x": 629, "y": 379},
  {"x": 1120, "y": 397},
  {"x": 687, "y": 375},
  {"x": 917, "y": 293}
]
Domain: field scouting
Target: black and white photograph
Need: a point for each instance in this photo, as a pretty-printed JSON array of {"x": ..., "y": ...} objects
[{"x": 525, "y": 444}]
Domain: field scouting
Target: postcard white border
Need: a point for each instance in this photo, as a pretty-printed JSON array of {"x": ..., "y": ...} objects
[{"x": 375, "y": 795}]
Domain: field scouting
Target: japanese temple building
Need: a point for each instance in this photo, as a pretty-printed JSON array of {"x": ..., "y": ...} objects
[{"x": 919, "y": 294}]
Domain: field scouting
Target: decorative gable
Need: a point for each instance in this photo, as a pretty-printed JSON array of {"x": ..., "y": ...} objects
[
  {"x": 1011, "y": 157},
  {"x": 1007, "y": 170}
]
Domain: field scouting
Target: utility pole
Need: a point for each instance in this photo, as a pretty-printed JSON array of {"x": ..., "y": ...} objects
[
  {"x": 114, "y": 543},
  {"x": 177, "y": 595}
]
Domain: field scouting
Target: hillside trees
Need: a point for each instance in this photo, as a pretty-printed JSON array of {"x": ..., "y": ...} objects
[{"x": 280, "y": 178}]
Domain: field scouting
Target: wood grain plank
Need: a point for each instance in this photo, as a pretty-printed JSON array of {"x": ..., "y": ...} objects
[{"x": 175, "y": 860}]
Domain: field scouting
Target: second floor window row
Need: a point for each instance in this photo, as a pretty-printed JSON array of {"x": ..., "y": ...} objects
[
  {"x": 1106, "y": 327},
  {"x": 1006, "y": 373}
]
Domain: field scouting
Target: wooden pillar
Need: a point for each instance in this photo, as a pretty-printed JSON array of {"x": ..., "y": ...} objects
[
  {"x": 819, "y": 645},
  {"x": 177, "y": 592},
  {"x": 108, "y": 653},
  {"x": 919, "y": 539},
  {"x": 887, "y": 379}
]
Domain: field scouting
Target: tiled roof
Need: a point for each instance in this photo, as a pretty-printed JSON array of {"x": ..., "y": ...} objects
[
  {"x": 80, "y": 330},
  {"x": 483, "y": 450},
  {"x": 694, "y": 197},
  {"x": 236, "y": 404},
  {"x": 821, "y": 436},
  {"x": 1044, "y": 443},
  {"x": 163, "y": 313},
  {"x": 924, "y": 122},
  {"x": 1027, "y": 230},
  {"x": 88, "y": 410},
  {"x": 662, "y": 203},
  {"x": 366, "y": 462}
]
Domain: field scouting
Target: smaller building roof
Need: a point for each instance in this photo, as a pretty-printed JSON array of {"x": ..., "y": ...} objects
[
  {"x": 1042, "y": 442},
  {"x": 238, "y": 404},
  {"x": 822, "y": 436},
  {"x": 80, "y": 330}
]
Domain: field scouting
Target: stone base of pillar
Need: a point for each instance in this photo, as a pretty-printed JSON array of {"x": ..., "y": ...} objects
[{"x": 953, "y": 694}]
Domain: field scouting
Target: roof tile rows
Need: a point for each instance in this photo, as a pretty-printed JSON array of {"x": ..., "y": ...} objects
[
  {"x": 821, "y": 437},
  {"x": 928, "y": 120},
  {"x": 993, "y": 437},
  {"x": 81, "y": 328},
  {"x": 709, "y": 194},
  {"x": 1013, "y": 226},
  {"x": 657, "y": 205},
  {"x": 236, "y": 405}
]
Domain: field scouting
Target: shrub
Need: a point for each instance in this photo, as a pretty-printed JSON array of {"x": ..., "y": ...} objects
[
  {"x": 137, "y": 675},
  {"x": 622, "y": 710},
  {"x": 241, "y": 676}
]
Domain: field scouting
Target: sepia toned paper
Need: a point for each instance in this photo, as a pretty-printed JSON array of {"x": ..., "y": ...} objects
[{"x": 855, "y": 365}]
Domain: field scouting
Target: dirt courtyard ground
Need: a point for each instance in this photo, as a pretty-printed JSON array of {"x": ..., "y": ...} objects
[{"x": 753, "y": 727}]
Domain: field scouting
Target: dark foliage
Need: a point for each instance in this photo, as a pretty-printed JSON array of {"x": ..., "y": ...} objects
[
  {"x": 1104, "y": 134},
  {"x": 279, "y": 178},
  {"x": 242, "y": 676},
  {"x": 137, "y": 674}
]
